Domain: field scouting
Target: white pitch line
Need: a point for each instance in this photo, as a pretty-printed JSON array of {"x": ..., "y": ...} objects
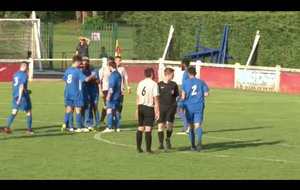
[{"x": 98, "y": 137}]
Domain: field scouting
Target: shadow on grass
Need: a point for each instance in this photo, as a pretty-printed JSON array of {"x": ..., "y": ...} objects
[
  {"x": 238, "y": 129},
  {"x": 221, "y": 146},
  {"x": 57, "y": 127},
  {"x": 38, "y": 133}
]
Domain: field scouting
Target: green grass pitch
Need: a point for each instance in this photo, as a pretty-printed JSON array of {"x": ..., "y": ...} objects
[{"x": 248, "y": 135}]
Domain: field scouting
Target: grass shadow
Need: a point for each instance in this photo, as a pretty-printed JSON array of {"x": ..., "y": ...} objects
[
  {"x": 221, "y": 146},
  {"x": 238, "y": 129}
]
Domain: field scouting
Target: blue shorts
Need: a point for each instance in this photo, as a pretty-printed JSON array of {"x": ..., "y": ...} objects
[
  {"x": 74, "y": 102},
  {"x": 113, "y": 105},
  {"x": 25, "y": 104},
  {"x": 194, "y": 117},
  {"x": 94, "y": 98}
]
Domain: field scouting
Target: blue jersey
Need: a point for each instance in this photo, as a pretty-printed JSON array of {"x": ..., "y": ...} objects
[
  {"x": 20, "y": 78},
  {"x": 185, "y": 76},
  {"x": 93, "y": 87},
  {"x": 74, "y": 79},
  {"x": 114, "y": 86},
  {"x": 85, "y": 85},
  {"x": 194, "y": 90}
]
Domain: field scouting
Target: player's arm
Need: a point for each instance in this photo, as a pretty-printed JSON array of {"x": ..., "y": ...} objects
[
  {"x": 111, "y": 85},
  {"x": 205, "y": 89},
  {"x": 126, "y": 81},
  {"x": 156, "y": 107},
  {"x": 21, "y": 90},
  {"x": 156, "y": 102}
]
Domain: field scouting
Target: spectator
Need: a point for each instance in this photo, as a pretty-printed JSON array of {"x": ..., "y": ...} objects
[{"x": 83, "y": 47}]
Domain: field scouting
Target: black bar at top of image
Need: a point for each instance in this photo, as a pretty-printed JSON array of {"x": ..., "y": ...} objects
[{"x": 168, "y": 5}]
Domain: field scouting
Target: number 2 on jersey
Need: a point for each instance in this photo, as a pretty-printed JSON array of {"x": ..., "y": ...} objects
[{"x": 194, "y": 90}]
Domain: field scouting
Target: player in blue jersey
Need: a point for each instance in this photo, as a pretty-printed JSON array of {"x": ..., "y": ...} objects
[
  {"x": 193, "y": 96},
  {"x": 20, "y": 98},
  {"x": 113, "y": 99},
  {"x": 85, "y": 94},
  {"x": 73, "y": 95},
  {"x": 93, "y": 96},
  {"x": 185, "y": 63}
]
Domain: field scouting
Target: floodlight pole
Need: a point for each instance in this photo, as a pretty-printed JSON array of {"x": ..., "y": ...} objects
[{"x": 253, "y": 47}]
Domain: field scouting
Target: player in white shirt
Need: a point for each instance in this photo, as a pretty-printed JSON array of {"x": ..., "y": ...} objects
[
  {"x": 147, "y": 109},
  {"x": 104, "y": 74}
]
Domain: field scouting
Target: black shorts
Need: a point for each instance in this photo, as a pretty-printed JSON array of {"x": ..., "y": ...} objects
[
  {"x": 146, "y": 116},
  {"x": 167, "y": 113}
]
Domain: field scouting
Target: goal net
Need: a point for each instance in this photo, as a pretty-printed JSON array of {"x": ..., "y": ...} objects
[{"x": 20, "y": 39}]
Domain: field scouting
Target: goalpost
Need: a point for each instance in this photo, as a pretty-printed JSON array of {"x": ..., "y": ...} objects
[{"x": 20, "y": 40}]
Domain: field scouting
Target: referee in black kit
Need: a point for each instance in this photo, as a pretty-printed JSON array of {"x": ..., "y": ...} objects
[{"x": 168, "y": 92}]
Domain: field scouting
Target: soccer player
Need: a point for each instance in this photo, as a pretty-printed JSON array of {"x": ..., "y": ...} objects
[
  {"x": 84, "y": 67},
  {"x": 113, "y": 99},
  {"x": 104, "y": 74},
  {"x": 147, "y": 109},
  {"x": 93, "y": 96},
  {"x": 21, "y": 98},
  {"x": 74, "y": 78},
  {"x": 185, "y": 63},
  {"x": 168, "y": 93},
  {"x": 193, "y": 96}
]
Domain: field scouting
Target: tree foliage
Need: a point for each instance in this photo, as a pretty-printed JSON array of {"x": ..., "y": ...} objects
[{"x": 279, "y": 43}]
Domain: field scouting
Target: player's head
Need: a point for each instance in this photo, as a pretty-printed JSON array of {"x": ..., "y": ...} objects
[
  {"x": 110, "y": 59},
  {"x": 149, "y": 73},
  {"x": 24, "y": 66},
  {"x": 169, "y": 73},
  {"x": 118, "y": 60},
  {"x": 112, "y": 66},
  {"x": 85, "y": 62},
  {"x": 192, "y": 71},
  {"x": 77, "y": 59},
  {"x": 82, "y": 40},
  {"x": 185, "y": 63}
]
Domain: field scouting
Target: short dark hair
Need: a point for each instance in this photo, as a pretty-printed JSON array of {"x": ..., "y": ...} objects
[
  {"x": 110, "y": 59},
  {"x": 168, "y": 71},
  {"x": 118, "y": 57},
  {"x": 186, "y": 62},
  {"x": 148, "y": 72},
  {"x": 192, "y": 70},
  {"x": 76, "y": 58},
  {"x": 112, "y": 64}
]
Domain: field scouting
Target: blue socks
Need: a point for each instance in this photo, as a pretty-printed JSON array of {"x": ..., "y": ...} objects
[
  {"x": 78, "y": 120},
  {"x": 71, "y": 120},
  {"x": 199, "y": 134},
  {"x": 117, "y": 120},
  {"x": 110, "y": 120},
  {"x": 10, "y": 120},
  {"x": 192, "y": 137},
  {"x": 29, "y": 121},
  {"x": 66, "y": 119}
]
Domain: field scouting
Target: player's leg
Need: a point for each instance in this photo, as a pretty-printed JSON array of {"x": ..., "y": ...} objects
[
  {"x": 189, "y": 117},
  {"x": 29, "y": 122},
  {"x": 110, "y": 117},
  {"x": 149, "y": 118},
  {"x": 140, "y": 130},
  {"x": 68, "y": 117},
  {"x": 161, "y": 126},
  {"x": 198, "y": 128},
  {"x": 96, "y": 110},
  {"x": 10, "y": 120},
  {"x": 103, "y": 112},
  {"x": 183, "y": 118},
  {"x": 117, "y": 122},
  {"x": 78, "y": 118},
  {"x": 170, "y": 117},
  {"x": 160, "y": 133}
]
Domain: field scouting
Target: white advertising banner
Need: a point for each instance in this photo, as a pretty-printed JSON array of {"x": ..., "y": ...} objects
[{"x": 261, "y": 80}]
